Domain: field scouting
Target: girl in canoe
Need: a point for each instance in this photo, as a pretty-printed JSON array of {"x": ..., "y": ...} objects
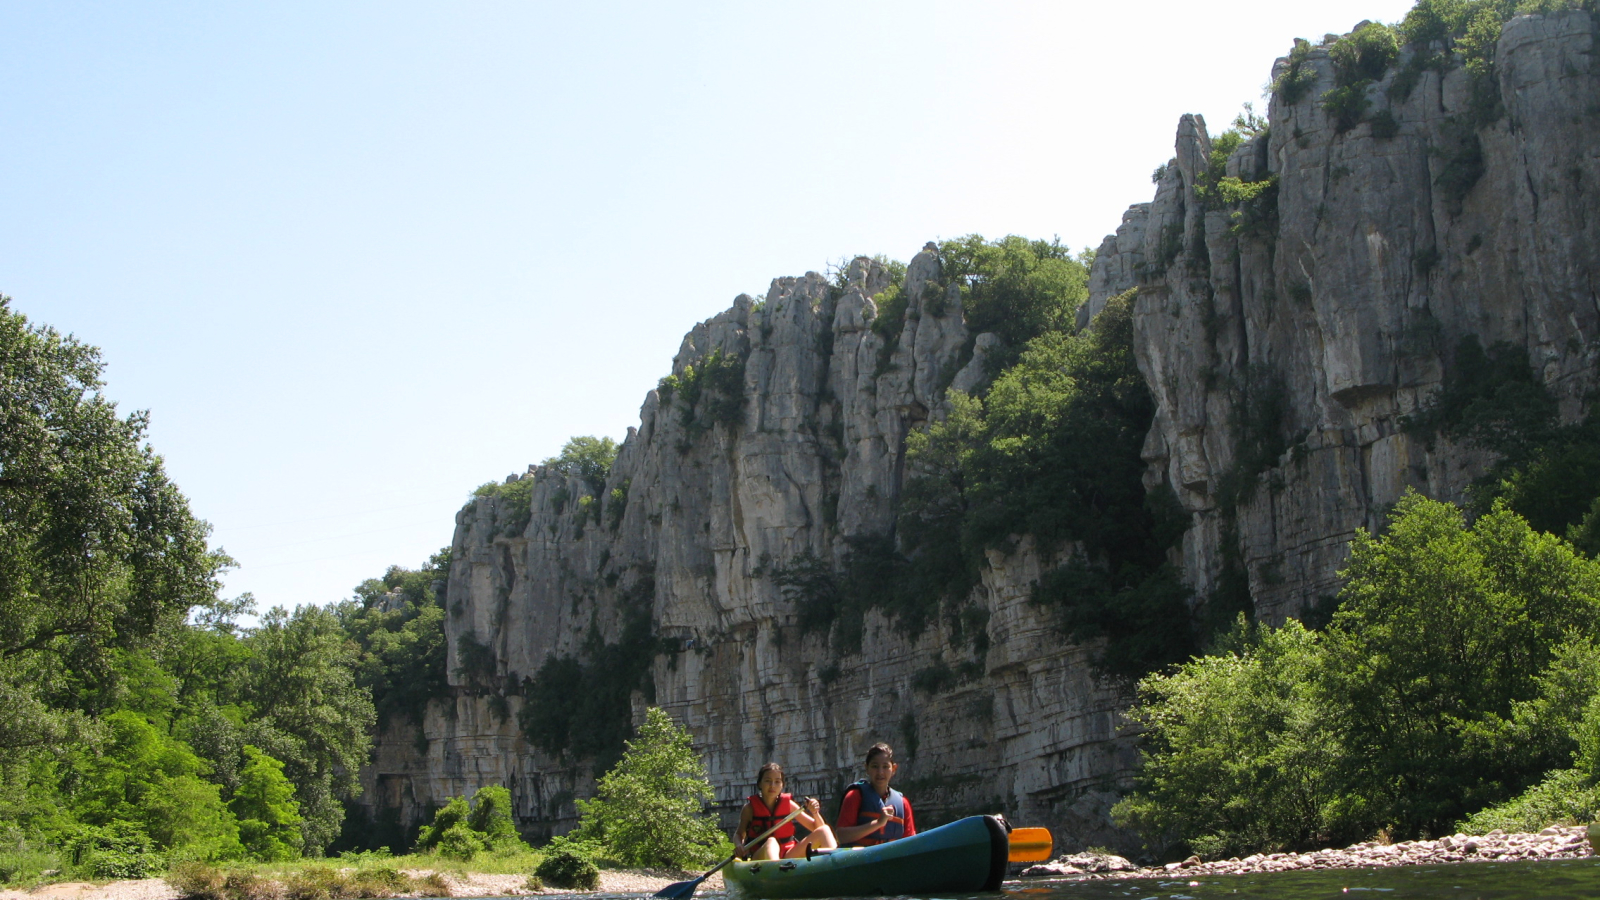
[
  {"x": 872, "y": 812},
  {"x": 766, "y": 808}
]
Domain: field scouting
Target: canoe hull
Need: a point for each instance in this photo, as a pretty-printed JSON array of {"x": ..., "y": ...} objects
[{"x": 963, "y": 857}]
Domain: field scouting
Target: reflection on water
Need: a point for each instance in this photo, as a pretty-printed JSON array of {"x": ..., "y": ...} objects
[{"x": 1566, "y": 879}]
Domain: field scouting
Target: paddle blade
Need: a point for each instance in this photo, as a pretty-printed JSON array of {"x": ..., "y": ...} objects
[
  {"x": 680, "y": 890},
  {"x": 1029, "y": 845}
]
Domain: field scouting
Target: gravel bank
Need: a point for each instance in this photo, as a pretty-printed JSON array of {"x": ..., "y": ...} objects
[
  {"x": 1555, "y": 842},
  {"x": 612, "y": 881}
]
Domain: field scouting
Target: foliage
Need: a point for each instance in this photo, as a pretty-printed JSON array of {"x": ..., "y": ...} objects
[
  {"x": 149, "y": 782},
  {"x": 1254, "y": 204},
  {"x": 117, "y": 850},
  {"x": 710, "y": 393},
  {"x": 1053, "y": 452},
  {"x": 1461, "y": 667},
  {"x": 269, "y": 817},
  {"x": 1564, "y": 797},
  {"x": 1296, "y": 80},
  {"x": 1359, "y": 59},
  {"x": 461, "y": 842},
  {"x": 1443, "y": 629},
  {"x": 454, "y": 812},
  {"x": 581, "y": 706},
  {"x": 309, "y": 712},
  {"x": 491, "y": 815},
  {"x": 1235, "y": 758},
  {"x": 514, "y": 503},
  {"x": 649, "y": 810},
  {"x": 587, "y": 457},
  {"x": 568, "y": 869},
  {"x": 397, "y": 622},
  {"x": 1547, "y": 472},
  {"x": 1015, "y": 288},
  {"x": 98, "y": 550}
]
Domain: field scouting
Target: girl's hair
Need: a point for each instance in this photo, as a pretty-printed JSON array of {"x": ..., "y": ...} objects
[
  {"x": 880, "y": 749},
  {"x": 769, "y": 767}
]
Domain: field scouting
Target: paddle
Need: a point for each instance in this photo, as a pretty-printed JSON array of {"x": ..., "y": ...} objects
[
  {"x": 1030, "y": 845},
  {"x": 681, "y": 890}
]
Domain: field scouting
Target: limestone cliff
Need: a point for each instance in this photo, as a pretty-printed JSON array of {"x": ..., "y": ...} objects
[
  {"x": 1283, "y": 343},
  {"x": 1390, "y": 241},
  {"x": 697, "y": 510}
]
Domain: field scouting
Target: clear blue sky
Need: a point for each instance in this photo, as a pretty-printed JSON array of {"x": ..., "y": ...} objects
[{"x": 359, "y": 258}]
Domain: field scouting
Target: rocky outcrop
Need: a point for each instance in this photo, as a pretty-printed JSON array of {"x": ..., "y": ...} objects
[
  {"x": 1284, "y": 342},
  {"x": 1307, "y": 333},
  {"x": 704, "y": 502}
]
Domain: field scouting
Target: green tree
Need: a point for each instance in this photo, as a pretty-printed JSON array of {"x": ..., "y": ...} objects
[
  {"x": 1016, "y": 288},
  {"x": 587, "y": 457},
  {"x": 398, "y": 624},
  {"x": 309, "y": 713},
  {"x": 1053, "y": 451},
  {"x": 97, "y": 548},
  {"x": 1237, "y": 756},
  {"x": 1443, "y": 629},
  {"x": 143, "y": 777},
  {"x": 269, "y": 817},
  {"x": 491, "y": 816},
  {"x": 650, "y": 809}
]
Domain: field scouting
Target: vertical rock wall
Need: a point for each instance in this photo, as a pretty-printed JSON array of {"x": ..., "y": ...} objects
[
  {"x": 1393, "y": 240},
  {"x": 712, "y": 508}
]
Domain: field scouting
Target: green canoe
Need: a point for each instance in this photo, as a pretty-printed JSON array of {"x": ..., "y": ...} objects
[{"x": 965, "y": 856}]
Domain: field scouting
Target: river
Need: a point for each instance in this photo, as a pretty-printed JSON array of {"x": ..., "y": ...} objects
[{"x": 1557, "y": 879}]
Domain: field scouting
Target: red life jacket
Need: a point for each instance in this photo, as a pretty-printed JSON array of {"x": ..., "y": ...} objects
[
  {"x": 762, "y": 818},
  {"x": 867, "y": 812}
]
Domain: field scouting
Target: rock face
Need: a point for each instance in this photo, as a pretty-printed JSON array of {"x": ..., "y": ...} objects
[
  {"x": 1392, "y": 241},
  {"x": 714, "y": 502},
  {"x": 1283, "y": 352}
]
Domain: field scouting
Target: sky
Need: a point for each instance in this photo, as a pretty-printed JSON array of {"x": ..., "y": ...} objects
[{"x": 357, "y": 259}]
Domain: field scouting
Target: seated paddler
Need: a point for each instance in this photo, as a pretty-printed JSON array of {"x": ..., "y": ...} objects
[
  {"x": 873, "y": 812},
  {"x": 768, "y": 806}
]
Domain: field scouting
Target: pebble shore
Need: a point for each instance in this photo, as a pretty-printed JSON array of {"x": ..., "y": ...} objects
[{"x": 1556, "y": 842}]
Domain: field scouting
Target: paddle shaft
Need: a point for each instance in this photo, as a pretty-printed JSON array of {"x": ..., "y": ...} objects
[
  {"x": 685, "y": 889},
  {"x": 798, "y": 809}
]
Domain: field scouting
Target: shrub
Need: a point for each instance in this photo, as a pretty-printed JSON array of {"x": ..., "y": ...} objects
[
  {"x": 1236, "y": 758},
  {"x": 461, "y": 842},
  {"x": 587, "y": 457},
  {"x": 118, "y": 850},
  {"x": 491, "y": 816},
  {"x": 1346, "y": 105},
  {"x": 567, "y": 869},
  {"x": 1565, "y": 797},
  {"x": 649, "y": 810},
  {"x": 1364, "y": 54},
  {"x": 454, "y": 812},
  {"x": 197, "y": 881},
  {"x": 1296, "y": 80},
  {"x": 316, "y": 883},
  {"x": 269, "y": 817},
  {"x": 22, "y": 860}
]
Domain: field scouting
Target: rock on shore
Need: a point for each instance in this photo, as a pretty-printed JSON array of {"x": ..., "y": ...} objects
[{"x": 1555, "y": 842}]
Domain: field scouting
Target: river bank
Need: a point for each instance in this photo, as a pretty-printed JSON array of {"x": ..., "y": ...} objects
[
  {"x": 474, "y": 884},
  {"x": 1555, "y": 842}
]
